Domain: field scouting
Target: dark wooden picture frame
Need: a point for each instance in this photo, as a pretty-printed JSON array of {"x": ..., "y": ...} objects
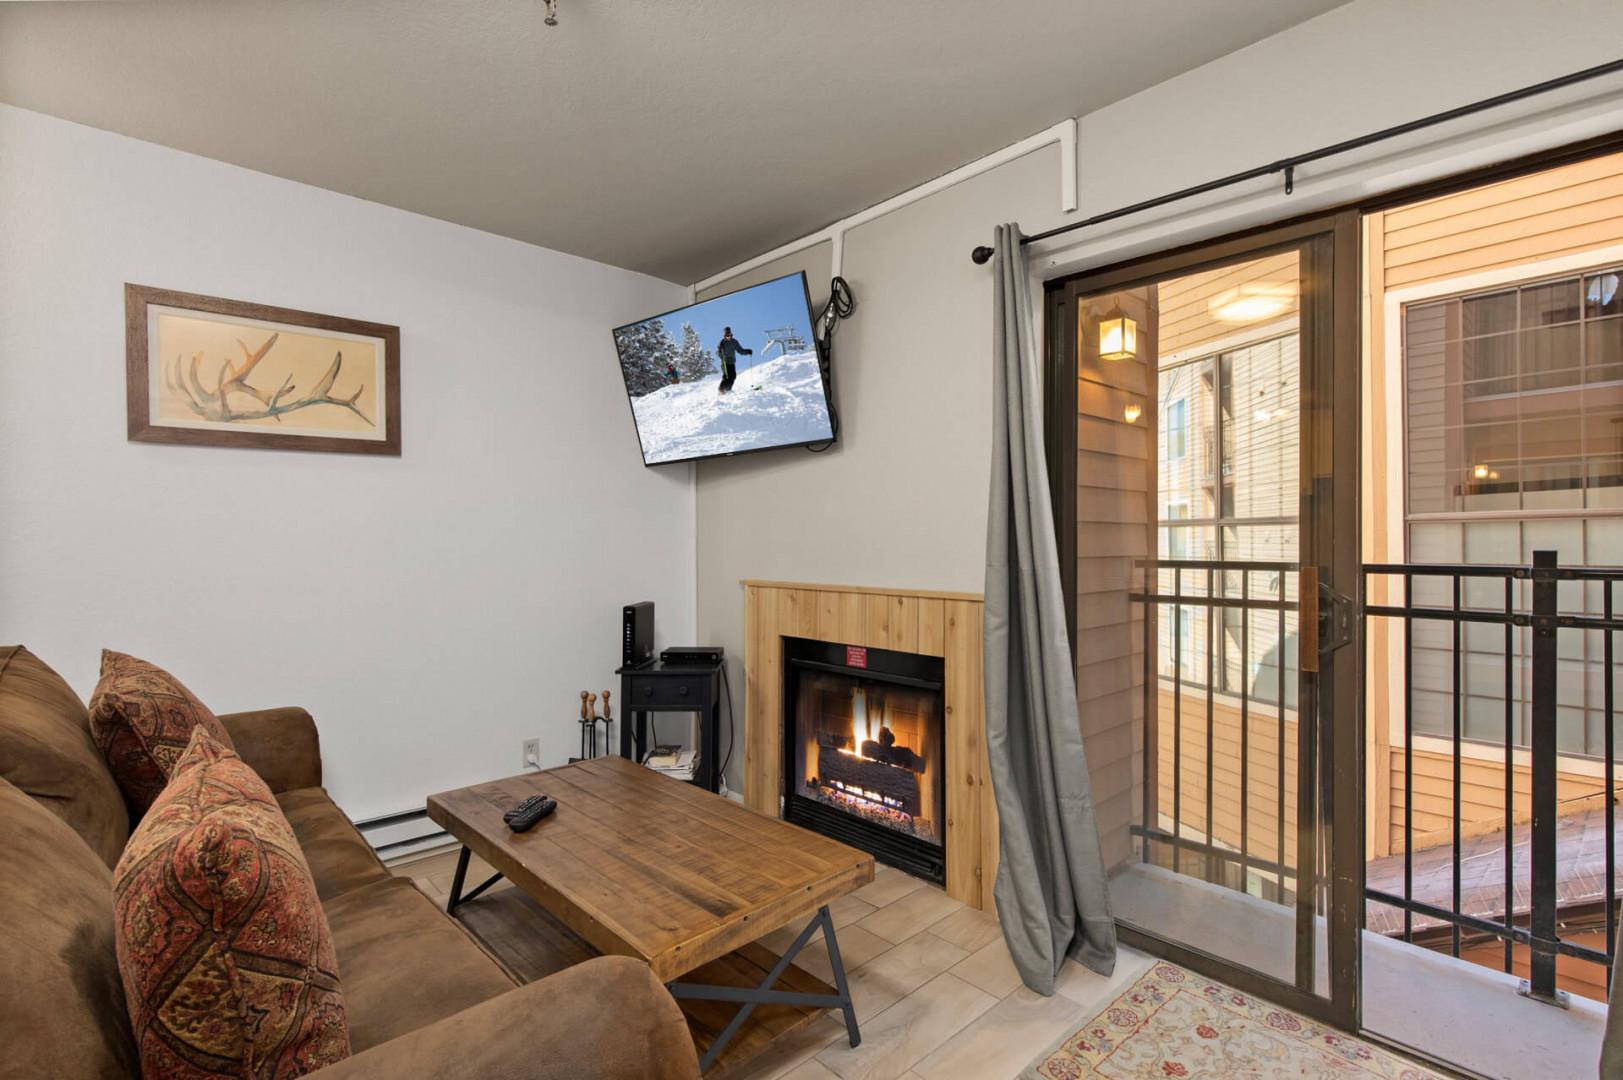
[{"x": 139, "y": 373}]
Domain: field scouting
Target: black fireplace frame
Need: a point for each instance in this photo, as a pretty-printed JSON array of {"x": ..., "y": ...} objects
[{"x": 885, "y": 666}]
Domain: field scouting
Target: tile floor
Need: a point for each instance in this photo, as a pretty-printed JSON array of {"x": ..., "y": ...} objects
[{"x": 935, "y": 992}]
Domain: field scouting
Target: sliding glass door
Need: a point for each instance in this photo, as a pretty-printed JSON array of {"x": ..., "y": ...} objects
[{"x": 1203, "y": 443}]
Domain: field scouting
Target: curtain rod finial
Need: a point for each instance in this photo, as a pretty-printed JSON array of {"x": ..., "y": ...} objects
[{"x": 982, "y": 255}]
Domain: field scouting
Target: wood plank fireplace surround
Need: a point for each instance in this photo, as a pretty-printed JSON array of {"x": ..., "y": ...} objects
[{"x": 914, "y": 625}]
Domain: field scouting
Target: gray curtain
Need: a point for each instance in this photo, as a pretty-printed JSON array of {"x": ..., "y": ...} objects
[{"x": 1052, "y": 896}]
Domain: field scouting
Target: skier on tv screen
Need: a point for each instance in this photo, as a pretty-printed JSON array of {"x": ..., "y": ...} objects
[{"x": 728, "y": 350}]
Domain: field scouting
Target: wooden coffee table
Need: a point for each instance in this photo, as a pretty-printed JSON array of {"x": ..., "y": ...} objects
[{"x": 641, "y": 865}]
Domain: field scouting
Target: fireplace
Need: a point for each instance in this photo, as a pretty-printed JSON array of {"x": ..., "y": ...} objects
[{"x": 864, "y": 751}]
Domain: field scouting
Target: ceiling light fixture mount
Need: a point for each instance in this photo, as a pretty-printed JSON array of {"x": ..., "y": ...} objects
[
  {"x": 1252, "y": 302},
  {"x": 552, "y": 13}
]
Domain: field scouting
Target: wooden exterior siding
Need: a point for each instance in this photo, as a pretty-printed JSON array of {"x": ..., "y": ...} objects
[
  {"x": 1262, "y": 772},
  {"x": 1379, "y": 500},
  {"x": 1482, "y": 796},
  {"x": 1572, "y": 974},
  {"x": 1558, "y": 212},
  {"x": 1115, "y": 527}
]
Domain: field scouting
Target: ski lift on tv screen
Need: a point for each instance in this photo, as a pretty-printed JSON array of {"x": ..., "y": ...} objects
[{"x": 786, "y": 338}]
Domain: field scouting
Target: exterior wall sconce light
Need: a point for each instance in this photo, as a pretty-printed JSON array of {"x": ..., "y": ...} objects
[
  {"x": 1118, "y": 336},
  {"x": 1132, "y": 413}
]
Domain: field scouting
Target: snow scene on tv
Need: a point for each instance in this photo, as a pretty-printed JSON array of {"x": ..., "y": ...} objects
[{"x": 731, "y": 374}]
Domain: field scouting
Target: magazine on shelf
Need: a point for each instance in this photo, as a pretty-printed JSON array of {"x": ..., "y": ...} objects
[
  {"x": 673, "y": 761},
  {"x": 662, "y": 756}
]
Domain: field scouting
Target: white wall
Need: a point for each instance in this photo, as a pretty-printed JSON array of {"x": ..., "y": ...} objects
[
  {"x": 431, "y": 610},
  {"x": 902, "y": 500}
]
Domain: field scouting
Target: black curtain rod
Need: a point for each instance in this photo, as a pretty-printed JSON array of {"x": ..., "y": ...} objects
[{"x": 1288, "y": 165}]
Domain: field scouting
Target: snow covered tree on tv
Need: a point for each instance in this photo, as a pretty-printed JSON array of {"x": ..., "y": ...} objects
[
  {"x": 646, "y": 353},
  {"x": 694, "y": 361}
]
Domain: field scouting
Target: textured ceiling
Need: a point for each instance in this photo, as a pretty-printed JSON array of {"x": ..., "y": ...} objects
[{"x": 675, "y": 137}]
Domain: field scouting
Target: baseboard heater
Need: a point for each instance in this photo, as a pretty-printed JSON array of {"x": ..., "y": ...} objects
[{"x": 408, "y": 832}]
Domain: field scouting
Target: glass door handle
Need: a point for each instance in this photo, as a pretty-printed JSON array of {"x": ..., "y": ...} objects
[
  {"x": 1307, "y": 587},
  {"x": 1326, "y": 618}
]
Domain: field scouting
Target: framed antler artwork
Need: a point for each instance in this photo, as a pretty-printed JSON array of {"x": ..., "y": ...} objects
[{"x": 203, "y": 371}]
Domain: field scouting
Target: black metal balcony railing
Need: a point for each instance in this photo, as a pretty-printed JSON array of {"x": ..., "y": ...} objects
[
  {"x": 1201, "y": 585},
  {"x": 1208, "y": 578},
  {"x": 1545, "y": 620}
]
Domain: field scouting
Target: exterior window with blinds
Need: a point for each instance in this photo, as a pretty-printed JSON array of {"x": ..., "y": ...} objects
[
  {"x": 1228, "y": 490},
  {"x": 1515, "y": 398},
  {"x": 1177, "y": 430},
  {"x": 1514, "y": 411}
]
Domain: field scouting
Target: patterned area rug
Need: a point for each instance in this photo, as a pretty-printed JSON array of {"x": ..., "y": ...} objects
[{"x": 1174, "y": 1023}]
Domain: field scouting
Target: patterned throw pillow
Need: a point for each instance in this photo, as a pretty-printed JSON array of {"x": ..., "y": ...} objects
[
  {"x": 225, "y": 954},
  {"x": 141, "y": 718}
]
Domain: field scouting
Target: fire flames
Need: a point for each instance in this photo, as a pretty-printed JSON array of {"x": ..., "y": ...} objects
[
  {"x": 870, "y": 726},
  {"x": 862, "y": 729}
]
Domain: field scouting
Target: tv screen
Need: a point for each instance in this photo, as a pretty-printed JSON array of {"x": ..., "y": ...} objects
[{"x": 732, "y": 374}]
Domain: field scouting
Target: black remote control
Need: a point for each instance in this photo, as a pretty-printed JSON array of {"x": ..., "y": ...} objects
[
  {"x": 528, "y": 812},
  {"x": 524, "y": 807}
]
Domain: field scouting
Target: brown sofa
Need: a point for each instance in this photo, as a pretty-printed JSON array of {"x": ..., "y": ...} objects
[{"x": 423, "y": 996}]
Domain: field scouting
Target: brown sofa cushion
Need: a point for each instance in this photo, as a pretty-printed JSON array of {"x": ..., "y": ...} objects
[
  {"x": 227, "y": 961},
  {"x": 340, "y": 859},
  {"x": 406, "y": 964},
  {"x": 281, "y": 745},
  {"x": 45, "y": 749},
  {"x": 607, "y": 1019},
  {"x": 61, "y": 1003},
  {"x": 142, "y": 719}
]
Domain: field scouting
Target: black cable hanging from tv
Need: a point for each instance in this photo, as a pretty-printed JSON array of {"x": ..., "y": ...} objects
[
  {"x": 1287, "y": 165},
  {"x": 841, "y": 303}
]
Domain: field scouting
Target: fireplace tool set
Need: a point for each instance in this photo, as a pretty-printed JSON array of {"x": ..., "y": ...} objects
[{"x": 589, "y": 721}]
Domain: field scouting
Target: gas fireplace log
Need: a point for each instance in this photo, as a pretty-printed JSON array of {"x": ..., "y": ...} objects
[
  {"x": 859, "y": 775},
  {"x": 900, "y": 756}
]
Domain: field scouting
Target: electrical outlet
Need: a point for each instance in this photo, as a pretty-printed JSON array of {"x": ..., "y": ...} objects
[{"x": 532, "y": 753}]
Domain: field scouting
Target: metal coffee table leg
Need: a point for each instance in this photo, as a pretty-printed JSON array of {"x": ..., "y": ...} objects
[
  {"x": 763, "y": 994},
  {"x": 457, "y": 878},
  {"x": 840, "y": 987}
]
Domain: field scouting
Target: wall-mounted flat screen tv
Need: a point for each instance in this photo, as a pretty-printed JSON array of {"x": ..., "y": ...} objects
[{"x": 729, "y": 375}]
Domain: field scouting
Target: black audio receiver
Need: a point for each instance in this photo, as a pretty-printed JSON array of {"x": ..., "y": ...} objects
[{"x": 692, "y": 656}]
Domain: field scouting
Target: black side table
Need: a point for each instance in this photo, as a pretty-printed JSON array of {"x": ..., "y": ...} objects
[{"x": 661, "y": 687}]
